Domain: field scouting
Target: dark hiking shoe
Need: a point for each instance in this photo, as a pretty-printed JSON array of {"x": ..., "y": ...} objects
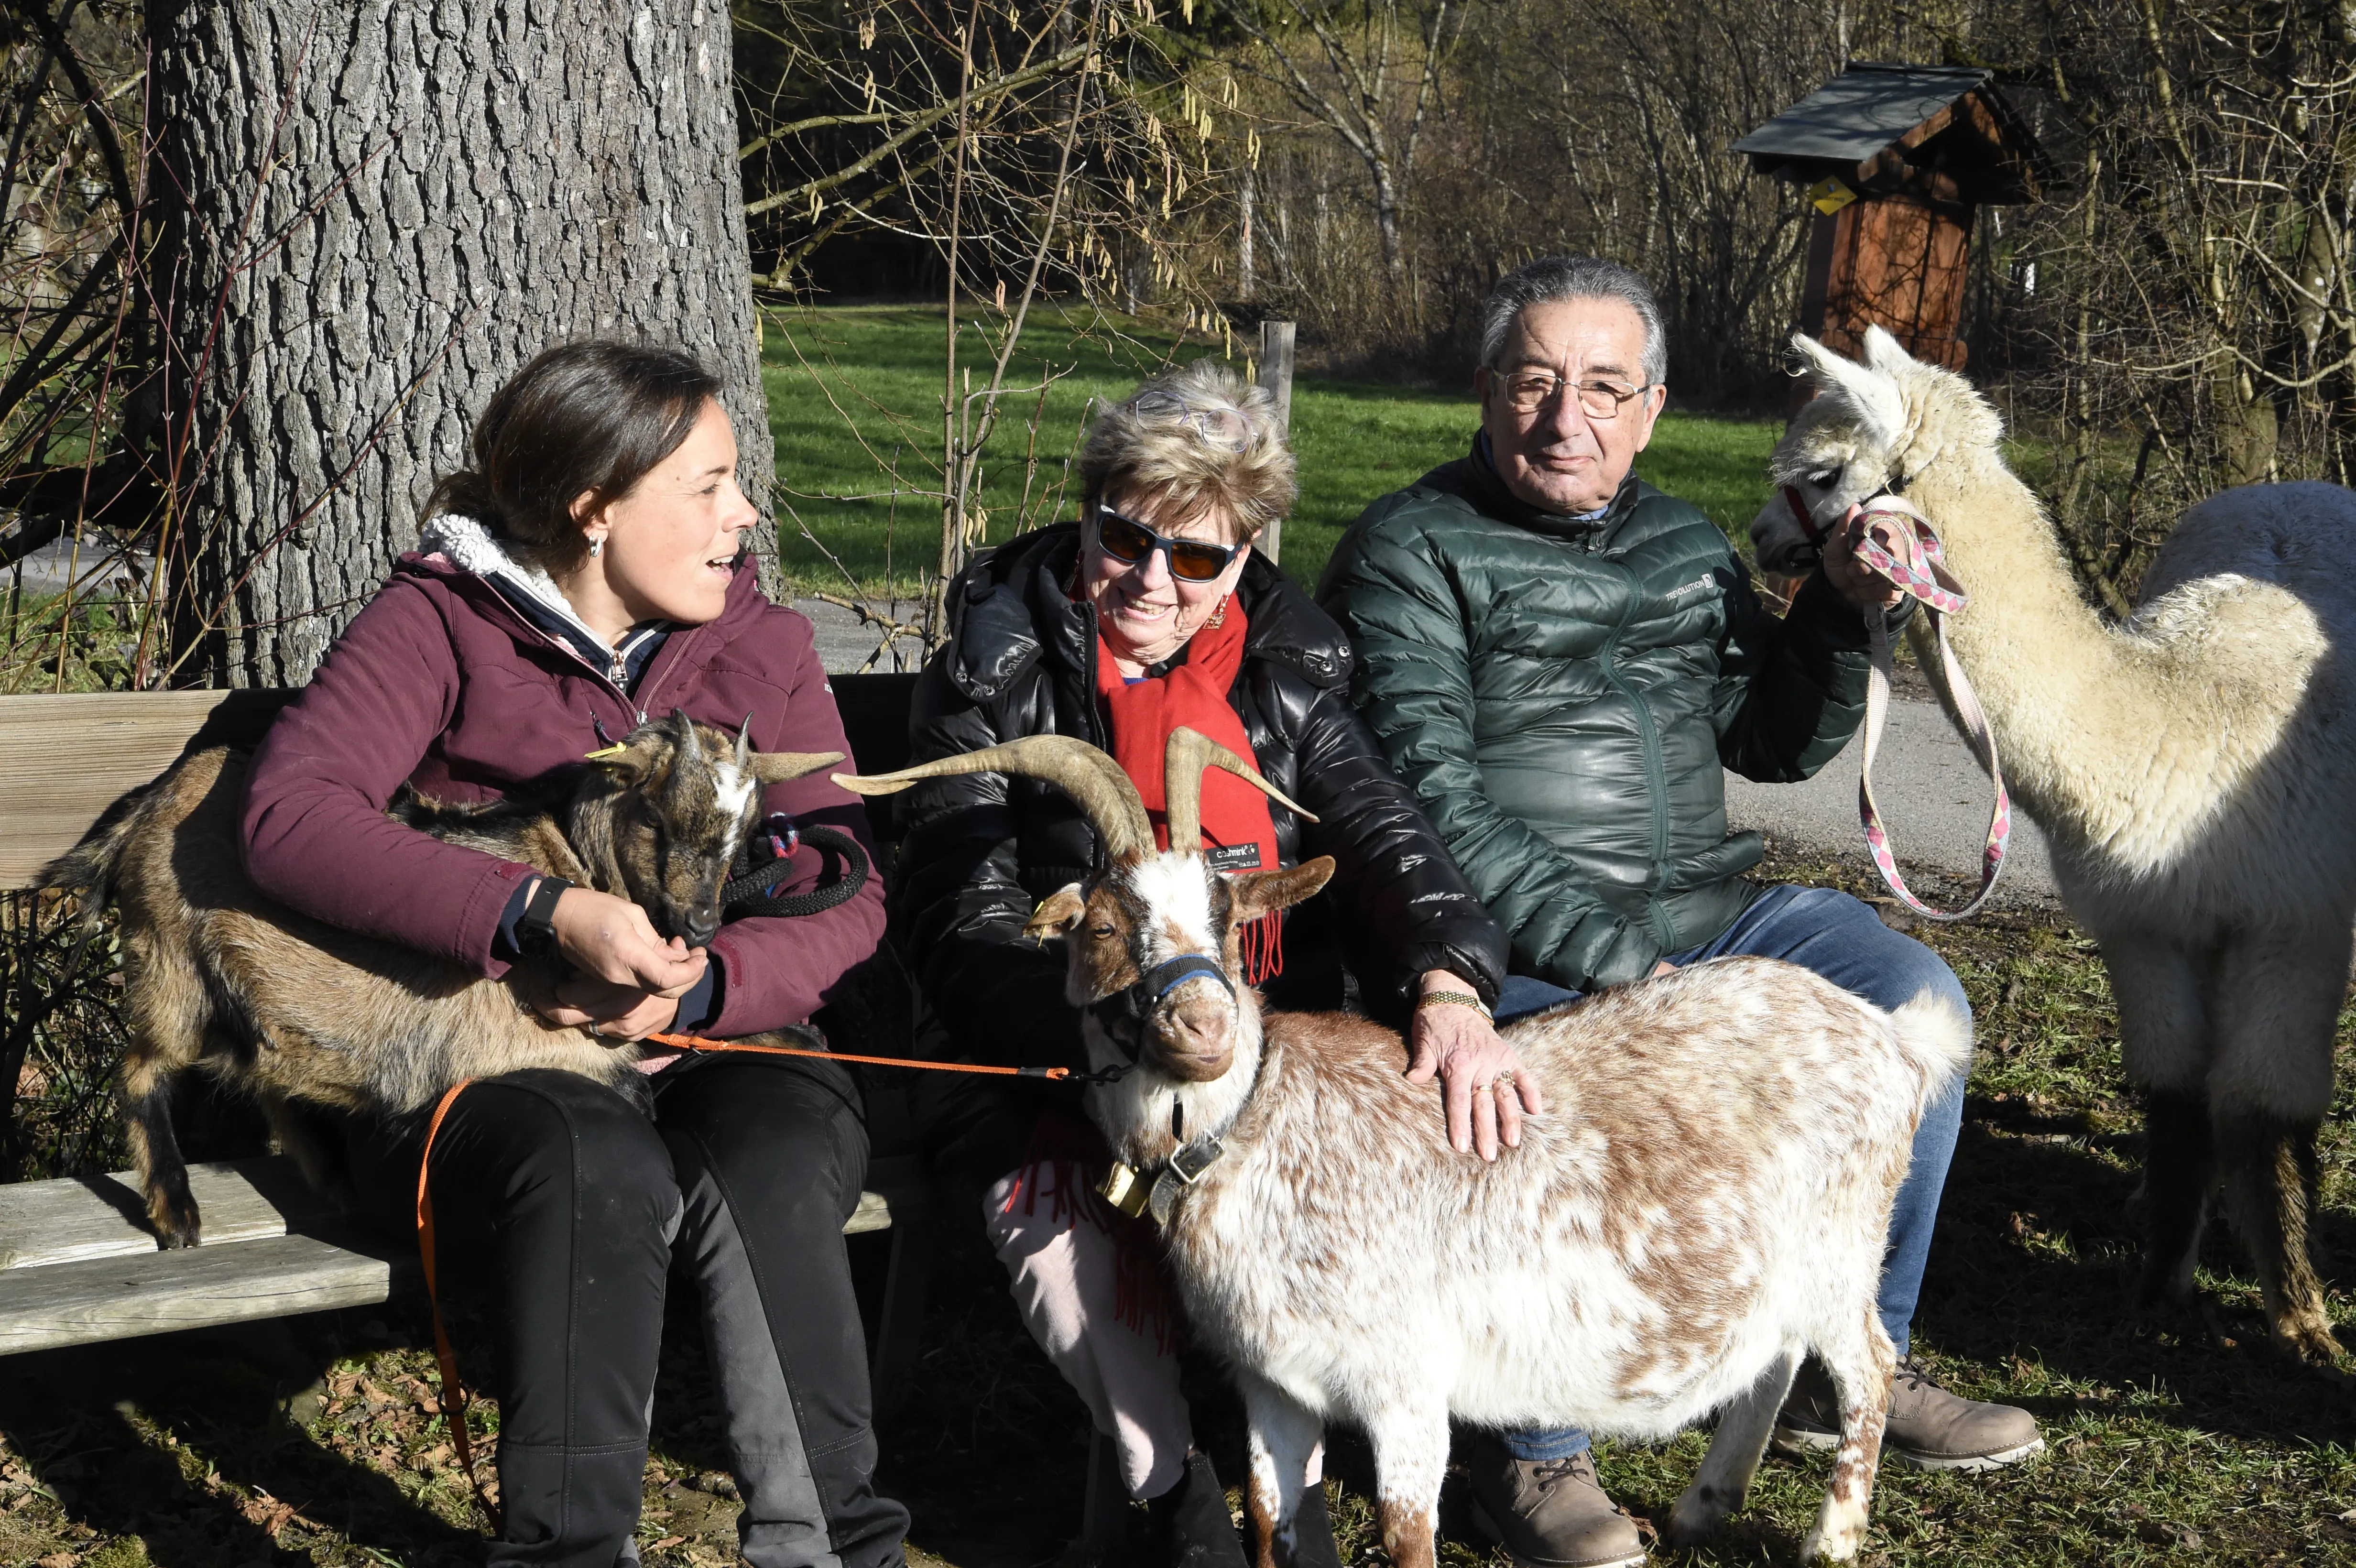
[
  {"x": 1192, "y": 1527},
  {"x": 1550, "y": 1513},
  {"x": 1929, "y": 1427}
]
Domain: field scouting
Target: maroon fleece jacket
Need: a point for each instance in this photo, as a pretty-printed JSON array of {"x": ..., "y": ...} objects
[{"x": 439, "y": 683}]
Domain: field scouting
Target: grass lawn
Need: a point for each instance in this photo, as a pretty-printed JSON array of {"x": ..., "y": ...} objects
[
  {"x": 854, "y": 398},
  {"x": 2172, "y": 1435}
]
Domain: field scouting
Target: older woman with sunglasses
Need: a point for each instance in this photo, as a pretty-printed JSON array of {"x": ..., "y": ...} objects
[{"x": 1151, "y": 613}]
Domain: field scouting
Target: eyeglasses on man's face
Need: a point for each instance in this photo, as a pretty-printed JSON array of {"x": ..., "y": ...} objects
[
  {"x": 1129, "y": 541},
  {"x": 1600, "y": 397}
]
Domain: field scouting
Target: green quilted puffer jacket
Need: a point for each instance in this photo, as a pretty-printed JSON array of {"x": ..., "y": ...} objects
[{"x": 1561, "y": 694}]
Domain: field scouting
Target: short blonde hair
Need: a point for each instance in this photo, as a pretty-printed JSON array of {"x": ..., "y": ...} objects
[{"x": 1200, "y": 439}]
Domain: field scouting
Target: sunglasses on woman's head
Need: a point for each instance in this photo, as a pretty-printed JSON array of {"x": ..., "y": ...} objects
[
  {"x": 1129, "y": 541},
  {"x": 1220, "y": 427}
]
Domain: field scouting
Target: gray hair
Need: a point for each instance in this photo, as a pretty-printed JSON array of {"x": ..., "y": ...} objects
[
  {"x": 1553, "y": 278},
  {"x": 1198, "y": 440}
]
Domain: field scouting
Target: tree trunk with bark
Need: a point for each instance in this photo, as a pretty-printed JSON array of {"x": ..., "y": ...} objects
[{"x": 374, "y": 214}]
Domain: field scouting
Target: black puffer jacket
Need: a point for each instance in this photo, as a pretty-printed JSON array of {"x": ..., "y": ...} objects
[{"x": 979, "y": 852}]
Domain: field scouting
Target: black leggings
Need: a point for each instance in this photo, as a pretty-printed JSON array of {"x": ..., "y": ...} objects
[{"x": 562, "y": 1199}]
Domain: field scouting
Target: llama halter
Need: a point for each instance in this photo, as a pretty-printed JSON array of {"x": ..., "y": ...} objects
[{"x": 1899, "y": 545}]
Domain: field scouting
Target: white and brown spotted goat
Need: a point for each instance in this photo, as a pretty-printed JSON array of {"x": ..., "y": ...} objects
[
  {"x": 286, "y": 1008},
  {"x": 1704, "y": 1202}
]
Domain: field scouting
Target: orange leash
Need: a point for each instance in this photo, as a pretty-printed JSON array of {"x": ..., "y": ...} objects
[
  {"x": 452, "y": 1396},
  {"x": 700, "y": 1045}
]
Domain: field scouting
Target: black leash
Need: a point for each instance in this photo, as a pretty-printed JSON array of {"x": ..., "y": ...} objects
[{"x": 752, "y": 892}]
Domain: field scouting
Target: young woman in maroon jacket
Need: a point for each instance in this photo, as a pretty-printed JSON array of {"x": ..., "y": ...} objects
[{"x": 588, "y": 573}]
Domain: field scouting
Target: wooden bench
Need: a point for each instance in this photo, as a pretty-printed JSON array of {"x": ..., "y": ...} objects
[{"x": 77, "y": 1263}]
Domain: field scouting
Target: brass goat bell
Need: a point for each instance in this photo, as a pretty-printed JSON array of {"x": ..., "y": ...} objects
[{"x": 1125, "y": 1189}]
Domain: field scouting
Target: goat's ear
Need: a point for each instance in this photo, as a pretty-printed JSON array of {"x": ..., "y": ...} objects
[
  {"x": 626, "y": 766},
  {"x": 1256, "y": 894},
  {"x": 1057, "y": 912},
  {"x": 776, "y": 767}
]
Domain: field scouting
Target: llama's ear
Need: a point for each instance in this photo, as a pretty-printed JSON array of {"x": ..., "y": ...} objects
[
  {"x": 1871, "y": 395},
  {"x": 1827, "y": 368},
  {"x": 1820, "y": 364},
  {"x": 1883, "y": 354},
  {"x": 1056, "y": 914}
]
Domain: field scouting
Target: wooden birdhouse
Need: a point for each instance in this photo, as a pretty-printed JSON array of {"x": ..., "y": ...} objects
[{"x": 1897, "y": 159}]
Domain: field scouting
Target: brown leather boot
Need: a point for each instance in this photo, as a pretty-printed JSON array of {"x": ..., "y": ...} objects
[
  {"x": 1929, "y": 1427},
  {"x": 1550, "y": 1513}
]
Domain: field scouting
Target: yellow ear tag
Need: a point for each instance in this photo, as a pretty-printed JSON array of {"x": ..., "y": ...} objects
[{"x": 606, "y": 755}]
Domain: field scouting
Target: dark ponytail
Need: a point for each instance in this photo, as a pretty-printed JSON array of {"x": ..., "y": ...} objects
[{"x": 583, "y": 416}]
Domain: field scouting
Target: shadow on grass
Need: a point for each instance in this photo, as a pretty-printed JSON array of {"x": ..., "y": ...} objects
[
  {"x": 127, "y": 1436},
  {"x": 2035, "y": 1269},
  {"x": 991, "y": 1452}
]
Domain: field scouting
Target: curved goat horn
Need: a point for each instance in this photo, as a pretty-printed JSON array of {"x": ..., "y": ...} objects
[
  {"x": 1190, "y": 754},
  {"x": 1094, "y": 780},
  {"x": 778, "y": 767}
]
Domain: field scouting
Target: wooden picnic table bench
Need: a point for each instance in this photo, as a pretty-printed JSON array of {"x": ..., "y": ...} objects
[{"x": 77, "y": 1263}]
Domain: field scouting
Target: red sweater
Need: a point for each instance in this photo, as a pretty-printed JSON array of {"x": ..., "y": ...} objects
[{"x": 439, "y": 683}]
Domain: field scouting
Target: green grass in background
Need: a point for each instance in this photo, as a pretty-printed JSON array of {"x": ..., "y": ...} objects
[
  {"x": 854, "y": 400},
  {"x": 855, "y": 390}
]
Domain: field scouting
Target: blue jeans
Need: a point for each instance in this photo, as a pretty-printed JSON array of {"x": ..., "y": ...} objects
[{"x": 1842, "y": 940}]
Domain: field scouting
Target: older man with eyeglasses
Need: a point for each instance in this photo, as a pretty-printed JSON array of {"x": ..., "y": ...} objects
[{"x": 1559, "y": 660}]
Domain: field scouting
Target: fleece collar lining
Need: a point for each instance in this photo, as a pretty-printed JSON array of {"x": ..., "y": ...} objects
[{"x": 469, "y": 545}]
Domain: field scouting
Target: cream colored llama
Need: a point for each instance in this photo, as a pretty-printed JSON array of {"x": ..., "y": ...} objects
[{"x": 2194, "y": 769}]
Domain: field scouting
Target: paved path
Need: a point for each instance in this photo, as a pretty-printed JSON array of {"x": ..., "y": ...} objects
[
  {"x": 1932, "y": 796},
  {"x": 51, "y": 568},
  {"x": 844, "y": 644}
]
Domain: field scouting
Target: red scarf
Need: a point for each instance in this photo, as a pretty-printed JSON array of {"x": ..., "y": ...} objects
[{"x": 1238, "y": 834}]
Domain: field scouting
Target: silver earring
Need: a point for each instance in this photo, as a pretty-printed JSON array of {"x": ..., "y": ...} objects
[{"x": 594, "y": 547}]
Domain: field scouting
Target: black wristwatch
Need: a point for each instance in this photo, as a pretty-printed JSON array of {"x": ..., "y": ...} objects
[{"x": 535, "y": 931}]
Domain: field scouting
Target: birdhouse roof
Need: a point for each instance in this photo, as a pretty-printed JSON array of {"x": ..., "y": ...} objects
[{"x": 1874, "y": 125}]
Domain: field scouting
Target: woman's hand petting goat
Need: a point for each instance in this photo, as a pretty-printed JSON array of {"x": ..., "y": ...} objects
[{"x": 1486, "y": 1088}]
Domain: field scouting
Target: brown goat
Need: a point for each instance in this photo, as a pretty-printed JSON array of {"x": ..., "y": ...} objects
[{"x": 288, "y": 1009}]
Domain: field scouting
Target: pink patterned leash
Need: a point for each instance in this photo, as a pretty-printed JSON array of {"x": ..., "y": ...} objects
[{"x": 1899, "y": 545}]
